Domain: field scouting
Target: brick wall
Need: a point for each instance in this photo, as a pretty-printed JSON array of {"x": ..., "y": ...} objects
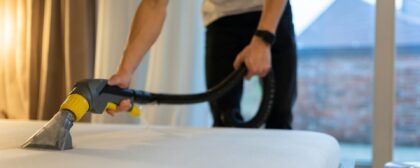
[{"x": 335, "y": 96}]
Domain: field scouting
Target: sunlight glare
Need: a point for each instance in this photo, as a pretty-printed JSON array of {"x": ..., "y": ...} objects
[{"x": 6, "y": 30}]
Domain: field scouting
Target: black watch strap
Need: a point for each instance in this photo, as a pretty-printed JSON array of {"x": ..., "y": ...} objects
[{"x": 266, "y": 36}]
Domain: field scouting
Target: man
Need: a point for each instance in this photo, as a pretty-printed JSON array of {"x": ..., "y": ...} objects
[{"x": 258, "y": 33}]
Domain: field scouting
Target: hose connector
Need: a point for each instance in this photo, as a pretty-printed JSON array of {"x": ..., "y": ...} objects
[{"x": 77, "y": 104}]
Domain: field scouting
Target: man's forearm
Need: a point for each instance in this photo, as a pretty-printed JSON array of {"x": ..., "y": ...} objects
[
  {"x": 145, "y": 29},
  {"x": 271, "y": 14}
]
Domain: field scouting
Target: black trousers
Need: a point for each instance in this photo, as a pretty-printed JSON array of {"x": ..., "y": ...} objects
[{"x": 225, "y": 38}]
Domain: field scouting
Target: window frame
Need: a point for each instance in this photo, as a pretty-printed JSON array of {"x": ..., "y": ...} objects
[{"x": 384, "y": 84}]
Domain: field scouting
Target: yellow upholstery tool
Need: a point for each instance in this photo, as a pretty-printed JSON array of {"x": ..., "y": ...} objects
[{"x": 89, "y": 95}]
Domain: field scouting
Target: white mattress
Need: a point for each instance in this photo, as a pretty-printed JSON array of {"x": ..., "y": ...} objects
[{"x": 134, "y": 146}]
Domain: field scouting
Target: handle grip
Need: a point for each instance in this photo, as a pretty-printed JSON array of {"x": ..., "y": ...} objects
[{"x": 133, "y": 112}]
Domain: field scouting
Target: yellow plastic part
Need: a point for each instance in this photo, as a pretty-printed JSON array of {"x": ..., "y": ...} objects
[
  {"x": 77, "y": 104},
  {"x": 111, "y": 106},
  {"x": 135, "y": 111}
]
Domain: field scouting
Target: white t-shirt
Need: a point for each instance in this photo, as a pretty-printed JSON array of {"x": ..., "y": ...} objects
[{"x": 215, "y": 9}]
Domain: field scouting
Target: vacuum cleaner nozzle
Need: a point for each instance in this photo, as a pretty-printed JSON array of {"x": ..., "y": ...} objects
[
  {"x": 55, "y": 134},
  {"x": 89, "y": 95}
]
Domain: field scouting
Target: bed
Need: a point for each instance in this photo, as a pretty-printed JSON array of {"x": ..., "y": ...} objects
[{"x": 99, "y": 145}]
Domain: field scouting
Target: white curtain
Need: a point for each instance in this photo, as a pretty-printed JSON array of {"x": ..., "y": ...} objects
[
  {"x": 177, "y": 66},
  {"x": 176, "y": 63},
  {"x": 114, "y": 20}
]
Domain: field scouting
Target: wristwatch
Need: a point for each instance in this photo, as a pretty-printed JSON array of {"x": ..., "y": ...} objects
[{"x": 268, "y": 37}]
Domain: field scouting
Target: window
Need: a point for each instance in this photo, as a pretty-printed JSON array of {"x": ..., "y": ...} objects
[
  {"x": 335, "y": 72},
  {"x": 336, "y": 40},
  {"x": 407, "y": 80}
]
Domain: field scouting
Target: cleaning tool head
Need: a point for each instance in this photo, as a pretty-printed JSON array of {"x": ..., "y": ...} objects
[{"x": 55, "y": 134}]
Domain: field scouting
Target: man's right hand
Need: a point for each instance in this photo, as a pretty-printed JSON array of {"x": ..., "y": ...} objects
[
  {"x": 123, "y": 80},
  {"x": 145, "y": 29}
]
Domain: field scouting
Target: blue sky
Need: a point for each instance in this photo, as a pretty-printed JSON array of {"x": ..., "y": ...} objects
[{"x": 305, "y": 12}]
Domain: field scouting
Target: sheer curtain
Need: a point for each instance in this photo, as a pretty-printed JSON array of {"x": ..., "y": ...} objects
[
  {"x": 175, "y": 63},
  {"x": 177, "y": 66},
  {"x": 46, "y": 46},
  {"x": 114, "y": 20}
]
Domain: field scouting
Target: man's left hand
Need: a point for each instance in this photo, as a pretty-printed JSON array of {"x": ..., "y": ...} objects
[{"x": 257, "y": 58}]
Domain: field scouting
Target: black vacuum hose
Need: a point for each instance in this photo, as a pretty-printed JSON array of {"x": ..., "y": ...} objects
[{"x": 228, "y": 118}]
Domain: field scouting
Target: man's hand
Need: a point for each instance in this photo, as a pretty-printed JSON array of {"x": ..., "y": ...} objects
[
  {"x": 257, "y": 55},
  {"x": 122, "y": 79},
  {"x": 257, "y": 58}
]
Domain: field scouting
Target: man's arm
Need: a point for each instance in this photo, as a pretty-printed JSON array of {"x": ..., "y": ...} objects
[
  {"x": 257, "y": 55},
  {"x": 271, "y": 14},
  {"x": 145, "y": 29}
]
